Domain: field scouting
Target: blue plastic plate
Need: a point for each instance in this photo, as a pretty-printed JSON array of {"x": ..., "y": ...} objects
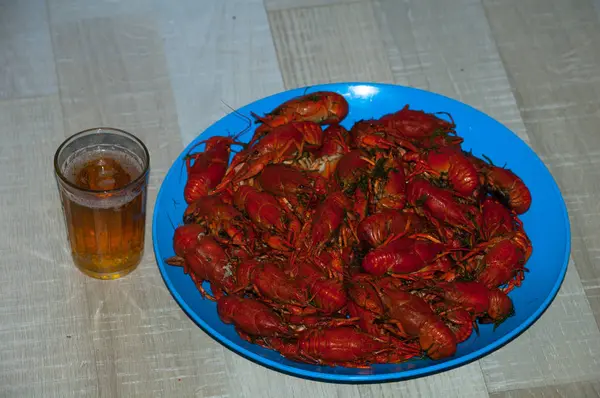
[{"x": 546, "y": 223}]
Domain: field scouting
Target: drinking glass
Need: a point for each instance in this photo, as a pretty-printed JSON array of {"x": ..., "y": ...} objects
[{"x": 102, "y": 176}]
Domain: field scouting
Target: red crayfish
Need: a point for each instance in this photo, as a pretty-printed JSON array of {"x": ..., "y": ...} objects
[
  {"x": 353, "y": 244},
  {"x": 322, "y": 107}
]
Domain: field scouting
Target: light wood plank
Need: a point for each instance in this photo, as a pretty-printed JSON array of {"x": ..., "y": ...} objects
[
  {"x": 65, "y": 11},
  {"x": 273, "y": 5},
  {"x": 26, "y": 59},
  {"x": 562, "y": 346},
  {"x": 251, "y": 380},
  {"x": 212, "y": 57},
  {"x": 596, "y": 5},
  {"x": 554, "y": 62},
  {"x": 113, "y": 71},
  {"x": 45, "y": 346},
  {"x": 329, "y": 44},
  {"x": 571, "y": 390},
  {"x": 431, "y": 47},
  {"x": 445, "y": 384},
  {"x": 558, "y": 88}
]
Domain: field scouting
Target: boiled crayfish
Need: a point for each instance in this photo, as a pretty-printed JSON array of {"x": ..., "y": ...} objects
[{"x": 352, "y": 246}]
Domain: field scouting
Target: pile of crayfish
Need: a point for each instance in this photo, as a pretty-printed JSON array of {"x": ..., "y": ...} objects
[{"x": 338, "y": 247}]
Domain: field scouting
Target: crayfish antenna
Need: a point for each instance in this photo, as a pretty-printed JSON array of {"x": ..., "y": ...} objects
[
  {"x": 238, "y": 113},
  {"x": 196, "y": 145},
  {"x": 487, "y": 159},
  {"x": 171, "y": 222},
  {"x": 259, "y": 119},
  {"x": 185, "y": 164},
  {"x": 447, "y": 114}
]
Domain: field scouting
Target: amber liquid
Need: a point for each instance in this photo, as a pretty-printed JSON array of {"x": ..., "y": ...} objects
[{"x": 106, "y": 232}]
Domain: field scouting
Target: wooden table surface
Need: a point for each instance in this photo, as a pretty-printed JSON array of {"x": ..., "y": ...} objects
[{"x": 160, "y": 70}]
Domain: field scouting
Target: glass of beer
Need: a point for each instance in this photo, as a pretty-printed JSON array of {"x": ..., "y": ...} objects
[{"x": 102, "y": 177}]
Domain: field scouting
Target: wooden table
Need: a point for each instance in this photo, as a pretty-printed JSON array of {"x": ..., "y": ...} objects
[{"x": 160, "y": 70}]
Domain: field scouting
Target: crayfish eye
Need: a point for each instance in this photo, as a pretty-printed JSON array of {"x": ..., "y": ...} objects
[
  {"x": 301, "y": 186},
  {"x": 255, "y": 152}
]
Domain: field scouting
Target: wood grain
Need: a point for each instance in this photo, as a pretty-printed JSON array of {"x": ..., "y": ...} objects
[
  {"x": 329, "y": 44},
  {"x": 562, "y": 346},
  {"x": 45, "y": 345},
  {"x": 272, "y": 5},
  {"x": 65, "y": 11},
  {"x": 212, "y": 59},
  {"x": 26, "y": 59},
  {"x": 558, "y": 86},
  {"x": 471, "y": 385},
  {"x": 112, "y": 71},
  {"x": 569, "y": 390},
  {"x": 251, "y": 380},
  {"x": 429, "y": 47},
  {"x": 161, "y": 71}
]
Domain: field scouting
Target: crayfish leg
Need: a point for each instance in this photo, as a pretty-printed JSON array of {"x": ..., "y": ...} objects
[
  {"x": 277, "y": 243},
  {"x": 204, "y": 293},
  {"x": 515, "y": 282},
  {"x": 176, "y": 261},
  {"x": 398, "y": 330}
]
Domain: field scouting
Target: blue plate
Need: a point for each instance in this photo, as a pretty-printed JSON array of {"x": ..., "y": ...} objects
[{"x": 546, "y": 223}]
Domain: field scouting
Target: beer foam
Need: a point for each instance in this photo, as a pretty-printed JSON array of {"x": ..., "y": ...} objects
[{"x": 130, "y": 162}]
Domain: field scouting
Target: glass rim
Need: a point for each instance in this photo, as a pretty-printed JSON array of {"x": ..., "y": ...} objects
[{"x": 105, "y": 191}]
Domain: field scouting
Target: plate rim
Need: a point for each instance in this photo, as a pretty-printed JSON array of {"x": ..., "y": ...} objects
[{"x": 366, "y": 378}]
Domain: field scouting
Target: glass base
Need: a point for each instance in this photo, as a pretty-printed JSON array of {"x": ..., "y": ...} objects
[
  {"x": 107, "y": 276},
  {"x": 107, "y": 267}
]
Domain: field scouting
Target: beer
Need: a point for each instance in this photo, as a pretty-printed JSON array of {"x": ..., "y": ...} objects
[{"x": 103, "y": 194}]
